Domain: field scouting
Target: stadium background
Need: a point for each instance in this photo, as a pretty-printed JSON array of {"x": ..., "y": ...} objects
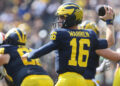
[{"x": 37, "y": 17}]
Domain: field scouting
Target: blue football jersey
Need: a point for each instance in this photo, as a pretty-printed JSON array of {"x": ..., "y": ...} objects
[
  {"x": 19, "y": 68},
  {"x": 74, "y": 49}
]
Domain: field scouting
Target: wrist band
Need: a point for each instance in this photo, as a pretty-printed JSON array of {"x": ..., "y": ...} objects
[{"x": 110, "y": 21}]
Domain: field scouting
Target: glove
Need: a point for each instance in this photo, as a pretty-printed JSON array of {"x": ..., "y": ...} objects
[{"x": 105, "y": 66}]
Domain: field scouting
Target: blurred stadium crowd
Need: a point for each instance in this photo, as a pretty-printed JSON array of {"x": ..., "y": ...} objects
[{"x": 37, "y": 17}]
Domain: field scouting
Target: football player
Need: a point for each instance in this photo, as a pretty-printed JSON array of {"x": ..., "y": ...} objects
[
  {"x": 89, "y": 74},
  {"x": 23, "y": 72},
  {"x": 74, "y": 48}
]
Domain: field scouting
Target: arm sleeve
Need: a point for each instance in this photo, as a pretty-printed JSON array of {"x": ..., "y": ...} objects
[
  {"x": 55, "y": 41},
  {"x": 102, "y": 44},
  {"x": 42, "y": 50}
]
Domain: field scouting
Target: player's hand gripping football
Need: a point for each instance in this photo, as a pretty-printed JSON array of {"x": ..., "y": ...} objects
[{"x": 109, "y": 13}]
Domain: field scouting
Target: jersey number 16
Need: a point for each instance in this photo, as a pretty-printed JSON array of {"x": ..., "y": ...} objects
[{"x": 82, "y": 52}]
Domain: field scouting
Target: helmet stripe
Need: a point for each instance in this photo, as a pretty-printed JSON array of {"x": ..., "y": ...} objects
[
  {"x": 18, "y": 35},
  {"x": 21, "y": 36}
]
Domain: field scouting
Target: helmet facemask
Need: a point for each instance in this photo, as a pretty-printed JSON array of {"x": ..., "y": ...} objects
[{"x": 60, "y": 20}]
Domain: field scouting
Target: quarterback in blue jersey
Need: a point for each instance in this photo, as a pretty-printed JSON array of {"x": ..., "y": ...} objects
[
  {"x": 23, "y": 72},
  {"x": 74, "y": 48}
]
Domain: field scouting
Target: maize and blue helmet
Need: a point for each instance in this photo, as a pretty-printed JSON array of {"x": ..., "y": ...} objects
[
  {"x": 89, "y": 25},
  {"x": 72, "y": 13},
  {"x": 15, "y": 36}
]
